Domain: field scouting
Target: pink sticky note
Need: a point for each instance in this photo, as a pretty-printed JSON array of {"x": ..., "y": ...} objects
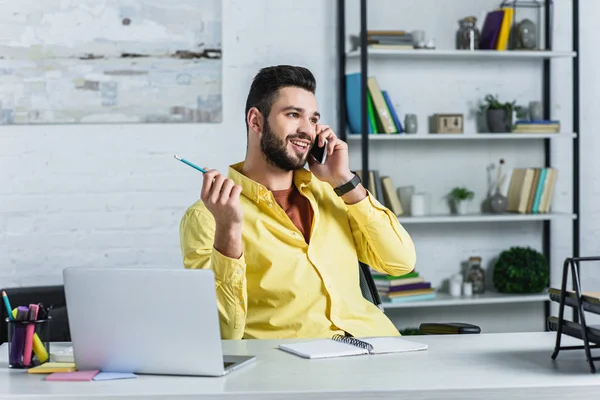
[{"x": 72, "y": 376}]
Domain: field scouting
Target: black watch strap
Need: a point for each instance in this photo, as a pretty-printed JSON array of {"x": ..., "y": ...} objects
[{"x": 348, "y": 186}]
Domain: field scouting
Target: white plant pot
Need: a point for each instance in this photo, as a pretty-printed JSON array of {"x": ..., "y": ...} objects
[{"x": 461, "y": 207}]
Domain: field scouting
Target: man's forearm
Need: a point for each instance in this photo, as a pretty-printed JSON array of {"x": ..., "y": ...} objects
[
  {"x": 380, "y": 239},
  {"x": 228, "y": 240}
]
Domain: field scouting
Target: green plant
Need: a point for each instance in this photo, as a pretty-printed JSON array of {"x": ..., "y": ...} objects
[
  {"x": 461, "y": 194},
  {"x": 491, "y": 102},
  {"x": 520, "y": 270}
]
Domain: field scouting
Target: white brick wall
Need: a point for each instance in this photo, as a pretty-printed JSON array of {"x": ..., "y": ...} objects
[{"x": 113, "y": 194}]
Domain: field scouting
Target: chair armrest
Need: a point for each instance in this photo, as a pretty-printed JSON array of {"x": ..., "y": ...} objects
[{"x": 449, "y": 328}]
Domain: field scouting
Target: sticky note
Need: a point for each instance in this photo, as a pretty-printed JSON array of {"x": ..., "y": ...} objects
[
  {"x": 72, "y": 376},
  {"x": 50, "y": 367},
  {"x": 107, "y": 376}
]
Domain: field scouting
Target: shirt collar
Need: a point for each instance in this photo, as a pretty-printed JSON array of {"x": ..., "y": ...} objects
[{"x": 257, "y": 192}]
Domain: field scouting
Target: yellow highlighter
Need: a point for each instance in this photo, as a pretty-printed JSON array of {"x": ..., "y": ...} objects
[{"x": 38, "y": 347}]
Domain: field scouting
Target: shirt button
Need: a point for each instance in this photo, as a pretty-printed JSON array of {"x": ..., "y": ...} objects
[{"x": 239, "y": 271}]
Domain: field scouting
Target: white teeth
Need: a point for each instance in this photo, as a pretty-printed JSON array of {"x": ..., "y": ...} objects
[{"x": 301, "y": 144}]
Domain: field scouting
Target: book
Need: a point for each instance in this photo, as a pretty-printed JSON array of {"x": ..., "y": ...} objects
[{"x": 343, "y": 346}]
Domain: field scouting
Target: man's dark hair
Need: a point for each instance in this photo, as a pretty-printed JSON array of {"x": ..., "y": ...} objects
[{"x": 269, "y": 80}]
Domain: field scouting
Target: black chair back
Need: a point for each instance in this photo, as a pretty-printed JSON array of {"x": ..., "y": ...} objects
[{"x": 367, "y": 285}]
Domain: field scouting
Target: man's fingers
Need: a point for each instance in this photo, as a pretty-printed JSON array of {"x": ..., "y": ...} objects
[
  {"x": 235, "y": 192},
  {"x": 207, "y": 183},
  {"x": 215, "y": 191},
  {"x": 226, "y": 191}
]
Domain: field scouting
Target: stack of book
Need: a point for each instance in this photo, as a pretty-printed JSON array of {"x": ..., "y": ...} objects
[
  {"x": 531, "y": 190},
  {"x": 524, "y": 126},
  {"x": 405, "y": 288},
  {"x": 382, "y": 116},
  {"x": 393, "y": 40}
]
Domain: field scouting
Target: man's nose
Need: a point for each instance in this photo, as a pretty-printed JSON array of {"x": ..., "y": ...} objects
[{"x": 307, "y": 127}]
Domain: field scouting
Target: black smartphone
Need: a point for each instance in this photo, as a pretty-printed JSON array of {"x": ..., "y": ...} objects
[{"x": 319, "y": 153}]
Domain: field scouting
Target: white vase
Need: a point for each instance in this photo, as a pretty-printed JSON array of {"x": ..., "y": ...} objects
[{"x": 461, "y": 207}]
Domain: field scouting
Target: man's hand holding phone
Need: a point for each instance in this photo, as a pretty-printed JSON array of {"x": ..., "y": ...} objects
[{"x": 336, "y": 170}]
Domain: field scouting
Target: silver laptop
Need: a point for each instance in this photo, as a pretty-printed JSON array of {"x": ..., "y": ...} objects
[{"x": 146, "y": 321}]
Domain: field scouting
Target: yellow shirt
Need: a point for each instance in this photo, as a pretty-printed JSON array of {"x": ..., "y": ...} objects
[{"x": 282, "y": 287}]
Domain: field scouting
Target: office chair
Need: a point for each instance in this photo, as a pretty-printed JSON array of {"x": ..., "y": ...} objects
[
  {"x": 369, "y": 291},
  {"x": 47, "y": 295}
]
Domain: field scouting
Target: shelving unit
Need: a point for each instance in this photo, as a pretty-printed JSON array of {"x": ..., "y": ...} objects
[
  {"x": 445, "y": 300},
  {"x": 443, "y": 57},
  {"x": 508, "y": 217},
  {"x": 463, "y": 136},
  {"x": 463, "y": 54}
]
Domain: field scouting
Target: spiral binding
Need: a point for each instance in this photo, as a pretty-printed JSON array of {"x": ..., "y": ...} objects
[{"x": 353, "y": 341}]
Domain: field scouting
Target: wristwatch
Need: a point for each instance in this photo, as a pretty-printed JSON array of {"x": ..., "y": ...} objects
[{"x": 348, "y": 186}]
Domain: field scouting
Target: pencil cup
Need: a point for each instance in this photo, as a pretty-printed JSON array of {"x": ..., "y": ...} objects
[{"x": 28, "y": 342}]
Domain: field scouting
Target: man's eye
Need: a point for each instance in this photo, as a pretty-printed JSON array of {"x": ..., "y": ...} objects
[
  {"x": 294, "y": 114},
  {"x": 314, "y": 120}
]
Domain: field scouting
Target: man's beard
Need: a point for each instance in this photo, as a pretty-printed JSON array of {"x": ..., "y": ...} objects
[{"x": 275, "y": 150}]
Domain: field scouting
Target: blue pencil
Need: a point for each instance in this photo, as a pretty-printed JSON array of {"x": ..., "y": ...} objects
[
  {"x": 183, "y": 160},
  {"x": 7, "y": 305}
]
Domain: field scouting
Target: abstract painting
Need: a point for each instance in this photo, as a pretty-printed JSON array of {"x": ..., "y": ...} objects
[{"x": 110, "y": 61}]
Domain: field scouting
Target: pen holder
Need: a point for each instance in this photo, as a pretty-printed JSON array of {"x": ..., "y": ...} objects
[{"x": 28, "y": 342}]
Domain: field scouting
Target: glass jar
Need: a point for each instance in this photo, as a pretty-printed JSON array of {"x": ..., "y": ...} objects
[
  {"x": 467, "y": 36},
  {"x": 476, "y": 275}
]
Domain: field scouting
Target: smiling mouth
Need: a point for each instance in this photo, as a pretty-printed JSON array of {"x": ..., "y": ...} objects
[{"x": 300, "y": 145}]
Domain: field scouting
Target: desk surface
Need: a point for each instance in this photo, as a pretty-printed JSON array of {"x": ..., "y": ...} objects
[{"x": 490, "y": 366}]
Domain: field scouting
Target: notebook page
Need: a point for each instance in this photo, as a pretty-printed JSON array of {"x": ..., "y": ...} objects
[
  {"x": 324, "y": 348},
  {"x": 393, "y": 345}
]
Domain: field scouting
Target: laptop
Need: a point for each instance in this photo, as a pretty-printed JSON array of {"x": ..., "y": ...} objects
[{"x": 146, "y": 321}]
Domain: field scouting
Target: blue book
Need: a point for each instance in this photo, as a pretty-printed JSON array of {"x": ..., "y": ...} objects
[
  {"x": 416, "y": 297},
  {"x": 535, "y": 208},
  {"x": 353, "y": 96},
  {"x": 393, "y": 113}
]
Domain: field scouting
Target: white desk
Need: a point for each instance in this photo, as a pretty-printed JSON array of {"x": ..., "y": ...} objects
[{"x": 487, "y": 366}]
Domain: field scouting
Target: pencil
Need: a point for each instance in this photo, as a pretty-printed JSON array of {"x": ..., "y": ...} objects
[{"x": 183, "y": 160}]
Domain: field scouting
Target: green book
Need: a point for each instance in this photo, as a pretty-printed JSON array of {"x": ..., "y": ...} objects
[
  {"x": 371, "y": 113},
  {"x": 413, "y": 274}
]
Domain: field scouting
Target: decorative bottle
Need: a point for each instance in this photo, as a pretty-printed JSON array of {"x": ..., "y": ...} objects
[
  {"x": 467, "y": 36},
  {"x": 476, "y": 275}
]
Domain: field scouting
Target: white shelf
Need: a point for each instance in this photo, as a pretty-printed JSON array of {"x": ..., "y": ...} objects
[
  {"x": 444, "y": 299},
  {"x": 507, "y": 217},
  {"x": 465, "y": 54},
  {"x": 460, "y": 136}
]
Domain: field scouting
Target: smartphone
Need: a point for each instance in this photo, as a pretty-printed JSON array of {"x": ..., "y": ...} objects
[{"x": 319, "y": 153}]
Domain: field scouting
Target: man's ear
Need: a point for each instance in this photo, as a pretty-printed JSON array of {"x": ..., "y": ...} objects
[{"x": 255, "y": 120}]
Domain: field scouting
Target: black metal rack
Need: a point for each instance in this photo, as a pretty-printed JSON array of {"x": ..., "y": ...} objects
[
  {"x": 580, "y": 303},
  {"x": 548, "y": 8}
]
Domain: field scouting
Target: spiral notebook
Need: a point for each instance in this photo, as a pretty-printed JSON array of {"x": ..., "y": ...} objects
[{"x": 342, "y": 346}]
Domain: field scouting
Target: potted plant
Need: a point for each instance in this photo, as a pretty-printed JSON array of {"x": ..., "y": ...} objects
[
  {"x": 460, "y": 197},
  {"x": 521, "y": 270},
  {"x": 498, "y": 115}
]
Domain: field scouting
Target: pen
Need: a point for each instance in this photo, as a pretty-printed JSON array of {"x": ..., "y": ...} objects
[
  {"x": 183, "y": 160},
  {"x": 7, "y": 304}
]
